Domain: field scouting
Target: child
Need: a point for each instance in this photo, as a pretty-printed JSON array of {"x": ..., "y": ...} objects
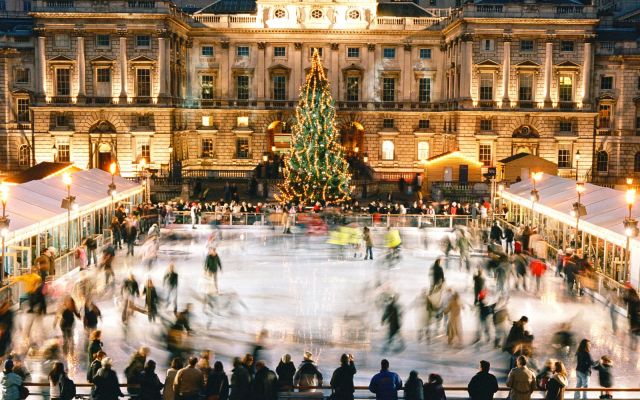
[{"x": 605, "y": 376}]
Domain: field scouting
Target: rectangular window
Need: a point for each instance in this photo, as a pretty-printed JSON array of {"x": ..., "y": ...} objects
[
  {"x": 525, "y": 87},
  {"x": 63, "y": 152},
  {"x": 315, "y": 48},
  {"x": 242, "y": 148},
  {"x": 566, "y": 46},
  {"x": 144, "y": 121},
  {"x": 279, "y": 87},
  {"x": 388, "y": 150},
  {"x": 61, "y": 40},
  {"x": 389, "y": 52},
  {"x": 206, "y": 148},
  {"x": 22, "y": 75},
  {"x": 564, "y": 158},
  {"x": 143, "y": 41},
  {"x": 487, "y": 45},
  {"x": 423, "y": 150},
  {"x": 486, "y": 86},
  {"x": 353, "y": 88},
  {"x": 484, "y": 154},
  {"x": 565, "y": 88},
  {"x": 206, "y": 51},
  {"x": 606, "y": 82},
  {"x": 103, "y": 75},
  {"x": 424, "y": 90},
  {"x": 279, "y": 51},
  {"x": 145, "y": 151},
  {"x": 425, "y": 54},
  {"x": 604, "y": 116},
  {"x": 26, "y": 6},
  {"x": 242, "y": 87},
  {"x": 486, "y": 125},
  {"x": 206, "y": 83},
  {"x": 526, "y": 46},
  {"x": 242, "y": 51},
  {"x": 637, "y": 126},
  {"x": 423, "y": 124},
  {"x": 353, "y": 52},
  {"x": 63, "y": 82},
  {"x": 24, "y": 155},
  {"x": 566, "y": 126},
  {"x": 23, "y": 110},
  {"x": 143, "y": 82},
  {"x": 62, "y": 121},
  {"x": 388, "y": 123},
  {"x": 388, "y": 89},
  {"x": 103, "y": 41}
]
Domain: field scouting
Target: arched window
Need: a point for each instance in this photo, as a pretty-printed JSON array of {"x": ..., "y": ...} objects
[
  {"x": 423, "y": 150},
  {"x": 24, "y": 155},
  {"x": 387, "y": 150},
  {"x": 602, "y": 161},
  {"x": 636, "y": 162}
]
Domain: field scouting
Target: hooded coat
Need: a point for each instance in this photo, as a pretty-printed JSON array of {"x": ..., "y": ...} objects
[
  {"x": 522, "y": 383},
  {"x": 555, "y": 387}
]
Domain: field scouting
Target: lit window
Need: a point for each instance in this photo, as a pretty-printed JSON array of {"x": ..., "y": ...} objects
[
  {"x": 604, "y": 116},
  {"x": 206, "y": 83},
  {"x": 242, "y": 51},
  {"x": 242, "y": 148},
  {"x": 389, "y": 52},
  {"x": 279, "y": 51},
  {"x": 143, "y": 149},
  {"x": 387, "y": 150},
  {"x": 103, "y": 41},
  {"x": 206, "y": 148},
  {"x": 565, "y": 88},
  {"x": 425, "y": 54},
  {"x": 24, "y": 155},
  {"x": 564, "y": 158},
  {"x": 353, "y": 52},
  {"x": 23, "y": 110},
  {"x": 486, "y": 86},
  {"x": 143, "y": 41},
  {"x": 484, "y": 154},
  {"x": 206, "y": 51},
  {"x": 423, "y": 151},
  {"x": 602, "y": 161},
  {"x": 606, "y": 82},
  {"x": 353, "y": 88}
]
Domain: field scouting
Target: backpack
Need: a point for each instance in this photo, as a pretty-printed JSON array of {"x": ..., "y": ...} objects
[{"x": 67, "y": 388}]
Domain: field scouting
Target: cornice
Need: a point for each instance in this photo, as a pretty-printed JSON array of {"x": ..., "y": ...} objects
[
  {"x": 266, "y": 31},
  {"x": 534, "y": 21}
]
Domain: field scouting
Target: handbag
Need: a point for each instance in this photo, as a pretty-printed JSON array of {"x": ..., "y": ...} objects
[{"x": 24, "y": 392}]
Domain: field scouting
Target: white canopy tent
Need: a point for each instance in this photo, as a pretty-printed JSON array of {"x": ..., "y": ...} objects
[{"x": 606, "y": 210}]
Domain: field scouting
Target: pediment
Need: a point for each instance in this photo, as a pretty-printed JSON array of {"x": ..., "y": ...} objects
[
  {"x": 488, "y": 63},
  {"x": 279, "y": 66},
  {"x": 528, "y": 64},
  {"x": 102, "y": 59},
  {"x": 61, "y": 58},
  {"x": 567, "y": 64},
  {"x": 142, "y": 59},
  {"x": 606, "y": 97},
  {"x": 21, "y": 91},
  {"x": 352, "y": 67}
]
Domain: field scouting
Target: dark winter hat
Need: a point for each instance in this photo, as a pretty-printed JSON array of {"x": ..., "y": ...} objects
[{"x": 8, "y": 365}]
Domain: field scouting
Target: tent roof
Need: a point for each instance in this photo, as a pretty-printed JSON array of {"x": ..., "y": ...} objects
[
  {"x": 37, "y": 204},
  {"x": 42, "y": 170},
  {"x": 606, "y": 208}
]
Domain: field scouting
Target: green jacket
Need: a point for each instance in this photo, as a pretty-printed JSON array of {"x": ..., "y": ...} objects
[{"x": 213, "y": 264}]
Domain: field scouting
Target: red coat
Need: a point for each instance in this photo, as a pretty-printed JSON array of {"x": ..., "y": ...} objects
[{"x": 537, "y": 267}]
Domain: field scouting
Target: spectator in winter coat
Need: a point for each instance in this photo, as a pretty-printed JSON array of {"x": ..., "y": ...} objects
[
  {"x": 413, "y": 387},
  {"x": 11, "y": 382},
  {"x": 265, "y": 383},
  {"x": 106, "y": 382},
  {"x": 189, "y": 381},
  {"x": 521, "y": 381},
  {"x": 557, "y": 383},
  {"x": 605, "y": 376},
  {"x": 518, "y": 335},
  {"x": 168, "y": 393},
  {"x": 307, "y": 374},
  {"x": 433, "y": 389},
  {"x": 240, "y": 381},
  {"x": 483, "y": 385},
  {"x": 495, "y": 235},
  {"x": 508, "y": 237},
  {"x": 95, "y": 365},
  {"x": 285, "y": 370},
  {"x": 150, "y": 385},
  {"x": 342, "y": 378},
  {"x": 385, "y": 384},
  {"x": 583, "y": 367},
  {"x": 217, "y": 383}
]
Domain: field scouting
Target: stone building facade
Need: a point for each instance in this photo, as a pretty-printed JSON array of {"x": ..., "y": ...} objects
[{"x": 213, "y": 90}]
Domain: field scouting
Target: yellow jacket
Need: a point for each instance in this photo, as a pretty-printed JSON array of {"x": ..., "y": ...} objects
[{"x": 31, "y": 281}]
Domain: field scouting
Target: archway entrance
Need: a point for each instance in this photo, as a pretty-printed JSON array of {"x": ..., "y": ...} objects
[
  {"x": 105, "y": 156},
  {"x": 279, "y": 133},
  {"x": 352, "y": 138},
  {"x": 102, "y": 134}
]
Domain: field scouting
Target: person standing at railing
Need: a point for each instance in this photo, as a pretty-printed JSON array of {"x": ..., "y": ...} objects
[
  {"x": 385, "y": 384},
  {"x": 413, "y": 387},
  {"x": 483, "y": 385},
  {"x": 584, "y": 363},
  {"x": 342, "y": 379},
  {"x": 308, "y": 374},
  {"x": 521, "y": 381},
  {"x": 92, "y": 247},
  {"x": 285, "y": 370}
]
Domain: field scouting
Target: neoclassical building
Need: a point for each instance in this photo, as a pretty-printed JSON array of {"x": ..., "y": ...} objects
[{"x": 209, "y": 90}]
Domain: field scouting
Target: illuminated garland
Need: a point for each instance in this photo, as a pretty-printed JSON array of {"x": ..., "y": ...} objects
[{"x": 316, "y": 169}]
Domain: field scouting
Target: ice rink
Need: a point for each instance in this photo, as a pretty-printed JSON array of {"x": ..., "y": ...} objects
[{"x": 308, "y": 296}]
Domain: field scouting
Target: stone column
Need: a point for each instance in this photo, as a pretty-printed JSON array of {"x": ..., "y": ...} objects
[
  {"x": 41, "y": 64},
  {"x": 407, "y": 75},
  {"x": 167, "y": 65},
  {"x": 442, "y": 62},
  {"x": 123, "y": 64},
  {"x": 224, "y": 70},
  {"x": 191, "y": 71},
  {"x": 586, "y": 71},
  {"x": 370, "y": 86},
  {"x": 335, "y": 73},
  {"x": 548, "y": 70},
  {"x": 82, "y": 92},
  {"x": 298, "y": 71},
  {"x": 466, "y": 68},
  {"x": 162, "y": 64},
  {"x": 506, "y": 71},
  {"x": 260, "y": 72}
]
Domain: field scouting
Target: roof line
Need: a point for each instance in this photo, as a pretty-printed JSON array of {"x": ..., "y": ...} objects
[{"x": 204, "y": 8}]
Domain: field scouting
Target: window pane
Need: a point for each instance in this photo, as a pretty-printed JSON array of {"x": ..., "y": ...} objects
[
  {"x": 206, "y": 82},
  {"x": 23, "y": 110},
  {"x": 143, "y": 82},
  {"x": 353, "y": 52},
  {"x": 207, "y": 147},
  {"x": 279, "y": 51},
  {"x": 242, "y": 87},
  {"x": 602, "y": 164},
  {"x": 103, "y": 75},
  {"x": 353, "y": 88},
  {"x": 424, "y": 90},
  {"x": 604, "y": 116},
  {"x": 388, "y": 89},
  {"x": 24, "y": 155},
  {"x": 425, "y": 53},
  {"x": 63, "y": 82},
  {"x": 22, "y": 75},
  {"x": 279, "y": 87},
  {"x": 423, "y": 150},
  {"x": 486, "y": 87},
  {"x": 564, "y": 158},
  {"x": 389, "y": 52},
  {"x": 242, "y": 51},
  {"x": 566, "y": 88},
  {"x": 387, "y": 150},
  {"x": 63, "y": 153},
  {"x": 242, "y": 148},
  {"x": 207, "y": 51},
  {"x": 484, "y": 154},
  {"x": 525, "y": 91}
]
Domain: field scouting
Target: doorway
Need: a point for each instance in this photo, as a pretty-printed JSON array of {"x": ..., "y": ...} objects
[
  {"x": 104, "y": 156},
  {"x": 448, "y": 174}
]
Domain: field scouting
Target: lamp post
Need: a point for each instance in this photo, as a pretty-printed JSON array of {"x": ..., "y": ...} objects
[
  {"x": 630, "y": 226},
  {"x": 578, "y": 210},
  {"x": 4, "y": 224},
  {"x": 112, "y": 186},
  {"x": 68, "y": 203},
  {"x": 144, "y": 176},
  {"x": 577, "y": 164},
  {"x": 535, "y": 196}
]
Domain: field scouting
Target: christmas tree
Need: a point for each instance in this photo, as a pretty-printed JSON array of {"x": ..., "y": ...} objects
[{"x": 316, "y": 169}]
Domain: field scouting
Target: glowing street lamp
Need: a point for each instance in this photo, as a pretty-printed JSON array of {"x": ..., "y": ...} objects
[
  {"x": 112, "y": 186},
  {"x": 630, "y": 225},
  {"x": 579, "y": 210}
]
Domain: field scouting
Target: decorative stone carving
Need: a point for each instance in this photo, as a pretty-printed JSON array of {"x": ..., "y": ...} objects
[
  {"x": 224, "y": 44},
  {"x": 335, "y": 46},
  {"x": 297, "y": 45},
  {"x": 121, "y": 30},
  {"x": 371, "y": 46},
  {"x": 262, "y": 45},
  {"x": 407, "y": 47}
]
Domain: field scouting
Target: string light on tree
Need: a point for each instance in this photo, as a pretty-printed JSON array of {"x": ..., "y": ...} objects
[{"x": 316, "y": 169}]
